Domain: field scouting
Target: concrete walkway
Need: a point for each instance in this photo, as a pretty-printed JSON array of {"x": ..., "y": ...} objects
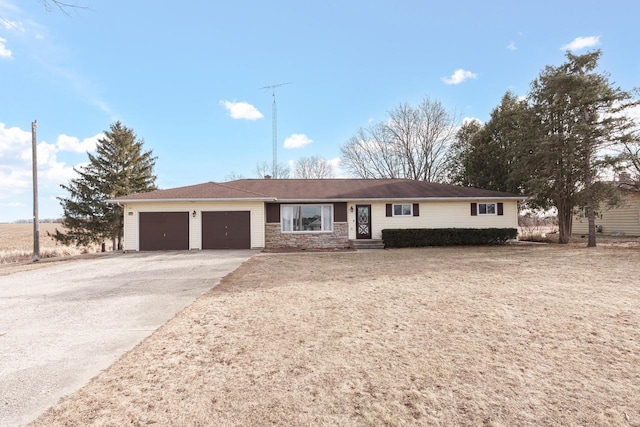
[{"x": 63, "y": 324}]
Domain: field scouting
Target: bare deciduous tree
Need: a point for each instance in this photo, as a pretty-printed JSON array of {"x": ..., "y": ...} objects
[
  {"x": 412, "y": 143},
  {"x": 233, "y": 176},
  {"x": 62, "y": 6},
  {"x": 266, "y": 169},
  {"x": 630, "y": 160},
  {"x": 314, "y": 167}
]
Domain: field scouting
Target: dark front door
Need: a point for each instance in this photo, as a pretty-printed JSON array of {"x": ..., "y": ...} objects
[
  {"x": 226, "y": 230},
  {"x": 363, "y": 221},
  {"x": 163, "y": 231}
]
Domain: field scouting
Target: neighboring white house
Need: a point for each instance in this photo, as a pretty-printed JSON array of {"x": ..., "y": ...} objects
[
  {"x": 302, "y": 213},
  {"x": 620, "y": 219}
]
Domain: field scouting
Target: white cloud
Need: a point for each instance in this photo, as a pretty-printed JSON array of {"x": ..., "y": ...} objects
[
  {"x": 336, "y": 166},
  {"x": 12, "y": 25},
  {"x": 72, "y": 143},
  {"x": 16, "y": 171},
  {"x": 297, "y": 140},
  {"x": 241, "y": 110},
  {"x": 459, "y": 76},
  {"x": 511, "y": 45},
  {"x": 582, "y": 42},
  {"x": 471, "y": 119},
  {"x": 4, "y": 50}
]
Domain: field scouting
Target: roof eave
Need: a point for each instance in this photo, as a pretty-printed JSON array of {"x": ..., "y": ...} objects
[
  {"x": 193, "y": 199},
  {"x": 351, "y": 199},
  {"x": 383, "y": 199}
]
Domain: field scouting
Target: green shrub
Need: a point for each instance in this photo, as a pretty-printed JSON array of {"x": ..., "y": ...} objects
[{"x": 417, "y": 237}]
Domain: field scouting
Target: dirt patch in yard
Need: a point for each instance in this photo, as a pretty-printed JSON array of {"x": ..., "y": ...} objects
[{"x": 499, "y": 336}]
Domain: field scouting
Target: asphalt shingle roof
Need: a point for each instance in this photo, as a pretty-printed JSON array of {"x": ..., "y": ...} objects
[{"x": 317, "y": 189}]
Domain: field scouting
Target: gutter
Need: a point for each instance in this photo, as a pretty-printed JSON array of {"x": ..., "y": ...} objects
[{"x": 275, "y": 199}]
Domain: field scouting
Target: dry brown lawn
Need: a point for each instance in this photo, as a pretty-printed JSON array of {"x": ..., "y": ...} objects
[{"x": 497, "y": 336}]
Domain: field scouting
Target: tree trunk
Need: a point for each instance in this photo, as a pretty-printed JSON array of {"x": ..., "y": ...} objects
[
  {"x": 591, "y": 217},
  {"x": 103, "y": 248},
  {"x": 565, "y": 221}
]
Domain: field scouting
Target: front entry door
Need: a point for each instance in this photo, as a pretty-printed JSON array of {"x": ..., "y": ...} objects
[{"x": 363, "y": 221}]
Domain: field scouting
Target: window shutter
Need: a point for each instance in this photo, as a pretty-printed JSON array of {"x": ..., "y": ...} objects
[
  {"x": 416, "y": 209},
  {"x": 389, "y": 209},
  {"x": 500, "y": 209},
  {"x": 474, "y": 209}
]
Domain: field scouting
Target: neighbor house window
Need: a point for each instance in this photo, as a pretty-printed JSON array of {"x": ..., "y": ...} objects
[
  {"x": 403, "y": 210},
  {"x": 486, "y": 208},
  {"x": 305, "y": 218}
]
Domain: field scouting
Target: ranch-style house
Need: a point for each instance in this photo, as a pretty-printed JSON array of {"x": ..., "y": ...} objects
[{"x": 303, "y": 213}]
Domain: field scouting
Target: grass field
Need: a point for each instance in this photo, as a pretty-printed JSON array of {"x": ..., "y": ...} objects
[
  {"x": 490, "y": 336},
  {"x": 16, "y": 243}
]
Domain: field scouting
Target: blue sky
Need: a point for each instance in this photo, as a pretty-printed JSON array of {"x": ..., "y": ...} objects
[{"x": 187, "y": 76}]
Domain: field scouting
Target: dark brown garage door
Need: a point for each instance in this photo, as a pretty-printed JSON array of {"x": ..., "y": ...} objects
[
  {"x": 226, "y": 230},
  {"x": 162, "y": 231}
]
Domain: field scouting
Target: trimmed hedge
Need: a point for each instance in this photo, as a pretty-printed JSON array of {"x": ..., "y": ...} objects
[{"x": 417, "y": 237}]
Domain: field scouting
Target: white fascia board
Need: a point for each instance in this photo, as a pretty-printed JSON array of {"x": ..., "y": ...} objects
[
  {"x": 398, "y": 199},
  {"x": 121, "y": 202}
]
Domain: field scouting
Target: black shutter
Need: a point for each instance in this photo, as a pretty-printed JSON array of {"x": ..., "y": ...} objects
[
  {"x": 500, "y": 209},
  {"x": 389, "y": 209},
  {"x": 474, "y": 209},
  {"x": 340, "y": 212},
  {"x": 273, "y": 212},
  {"x": 416, "y": 209}
]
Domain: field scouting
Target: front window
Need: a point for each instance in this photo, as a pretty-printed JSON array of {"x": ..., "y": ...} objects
[
  {"x": 403, "y": 210},
  {"x": 307, "y": 218},
  {"x": 486, "y": 208}
]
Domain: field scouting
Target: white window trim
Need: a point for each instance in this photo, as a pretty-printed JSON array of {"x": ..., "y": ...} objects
[
  {"x": 393, "y": 209},
  {"x": 282, "y": 207},
  {"x": 495, "y": 208}
]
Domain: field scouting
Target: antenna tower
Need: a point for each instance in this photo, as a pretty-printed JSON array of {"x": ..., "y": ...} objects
[{"x": 274, "y": 126}]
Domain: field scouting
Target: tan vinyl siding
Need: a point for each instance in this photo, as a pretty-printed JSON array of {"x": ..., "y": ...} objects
[
  {"x": 441, "y": 214},
  {"x": 131, "y": 233},
  {"x": 623, "y": 219}
]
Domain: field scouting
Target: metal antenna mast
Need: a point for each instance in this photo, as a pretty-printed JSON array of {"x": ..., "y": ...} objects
[{"x": 274, "y": 127}]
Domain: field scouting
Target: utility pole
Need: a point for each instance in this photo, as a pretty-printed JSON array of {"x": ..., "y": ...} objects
[
  {"x": 274, "y": 127},
  {"x": 36, "y": 222}
]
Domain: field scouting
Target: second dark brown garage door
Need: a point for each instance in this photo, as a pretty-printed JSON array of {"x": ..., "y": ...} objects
[
  {"x": 163, "y": 231},
  {"x": 226, "y": 230}
]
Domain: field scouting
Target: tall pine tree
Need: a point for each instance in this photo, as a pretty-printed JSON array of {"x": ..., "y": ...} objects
[
  {"x": 578, "y": 114},
  {"x": 491, "y": 154},
  {"x": 119, "y": 167}
]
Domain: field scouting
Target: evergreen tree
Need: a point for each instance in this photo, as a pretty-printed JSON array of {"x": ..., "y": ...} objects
[
  {"x": 119, "y": 167},
  {"x": 492, "y": 159},
  {"x": 460, "y": 152},
  {"x": 577, "y": 114}
]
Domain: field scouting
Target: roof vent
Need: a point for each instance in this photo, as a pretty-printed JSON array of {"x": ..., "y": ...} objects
[{"x": 267, "y": 177}]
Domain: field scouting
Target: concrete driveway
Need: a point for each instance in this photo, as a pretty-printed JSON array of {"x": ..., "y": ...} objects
[{"x": 62, "y": 325}]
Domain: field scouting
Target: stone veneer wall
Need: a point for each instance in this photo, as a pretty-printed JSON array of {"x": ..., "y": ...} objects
[{"x": 338, "y": 238}]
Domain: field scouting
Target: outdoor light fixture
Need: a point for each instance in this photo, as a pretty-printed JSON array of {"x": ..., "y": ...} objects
[
  {"x": 351, "y": 208},
  {"x": 193, "y": 214}
]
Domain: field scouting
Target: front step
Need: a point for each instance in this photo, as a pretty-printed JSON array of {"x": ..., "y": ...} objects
[{"x": 367, "y": 244}]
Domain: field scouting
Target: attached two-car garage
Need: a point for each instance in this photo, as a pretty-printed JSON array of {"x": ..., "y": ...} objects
[{"x": 170, "y": 230}]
